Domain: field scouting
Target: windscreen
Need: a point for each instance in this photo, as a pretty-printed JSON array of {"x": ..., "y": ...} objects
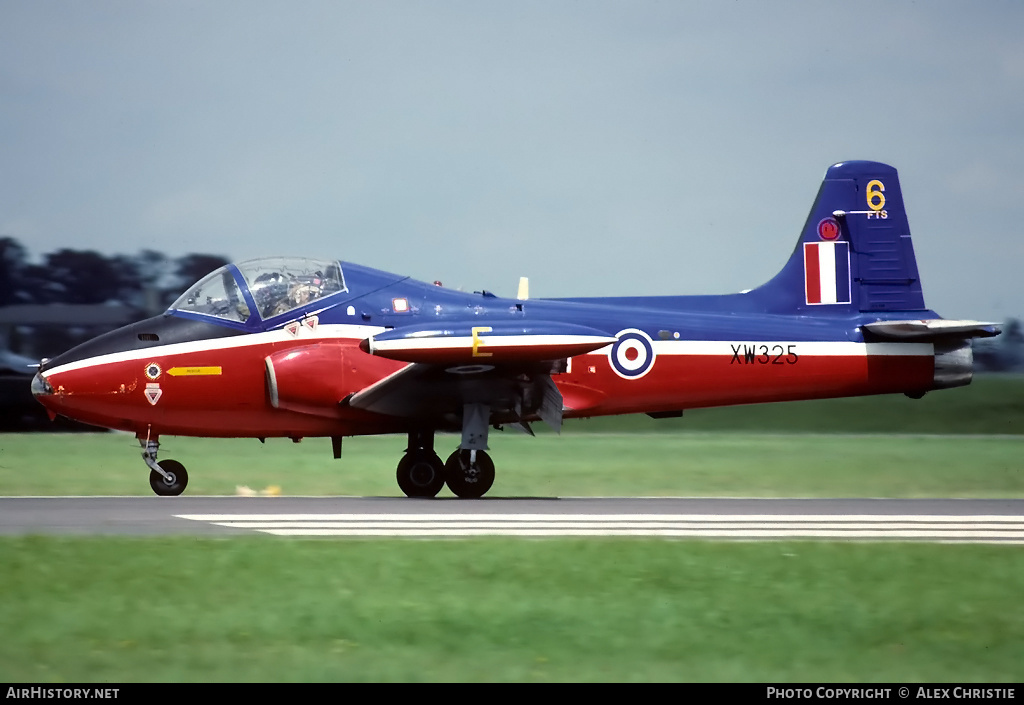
[{"x": 218, "y": 295}]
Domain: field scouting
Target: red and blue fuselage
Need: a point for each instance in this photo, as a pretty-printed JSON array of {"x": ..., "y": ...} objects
[
  {"x": 294, "y": 348},
  {"x": 185, "y": 373}
]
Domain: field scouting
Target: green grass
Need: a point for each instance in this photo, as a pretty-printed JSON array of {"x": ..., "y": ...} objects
[
  {"x": 964, "y": 442},
  {"x": 613, "y": 464},
  {"x": 991, "y": 404},
  {"x": 264, "y": 609},
  {"x": 492, "y": 609}
]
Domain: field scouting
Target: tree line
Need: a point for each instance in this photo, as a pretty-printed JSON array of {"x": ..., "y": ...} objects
[{"x": 148, "y": 281}]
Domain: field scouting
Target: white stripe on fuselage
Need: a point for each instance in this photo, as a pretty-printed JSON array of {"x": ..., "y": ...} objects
[
  {"x": 321, "y": 332},
  {"x": 839, "y": 348},
  {"x": 828, "y": 348}
]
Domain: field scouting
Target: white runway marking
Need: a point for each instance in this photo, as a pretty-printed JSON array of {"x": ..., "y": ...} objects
[{"x": 944, "y": 528}]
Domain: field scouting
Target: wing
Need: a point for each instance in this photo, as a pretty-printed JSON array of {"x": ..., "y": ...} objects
[{"x": 506, "y": 366}]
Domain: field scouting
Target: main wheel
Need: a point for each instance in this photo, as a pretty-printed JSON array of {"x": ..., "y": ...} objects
[
  {"x": 469, "y": 480},
  {"x": 175, "y": 482},
  {"x": 420, "y": 474}
]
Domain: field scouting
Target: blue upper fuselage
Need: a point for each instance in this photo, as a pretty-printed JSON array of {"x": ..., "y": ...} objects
[
  {"x": 371, "y": 297},
  {"x": 249, "y": 298}
]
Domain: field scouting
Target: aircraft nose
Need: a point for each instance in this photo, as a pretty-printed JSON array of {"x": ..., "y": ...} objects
[{"x": 40, "y": 387}]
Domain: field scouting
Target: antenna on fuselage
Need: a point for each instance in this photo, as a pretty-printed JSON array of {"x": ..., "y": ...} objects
[{"x": 524, "y": 289}]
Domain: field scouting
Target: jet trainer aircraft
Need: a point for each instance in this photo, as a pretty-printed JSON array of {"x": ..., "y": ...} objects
[{"x": 289, "y": 347}]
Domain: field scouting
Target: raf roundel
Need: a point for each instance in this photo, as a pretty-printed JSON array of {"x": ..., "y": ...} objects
[
  {"x": 632, "y": 356},
  {"x": 153, "y": 371},
  {"x": 828, "y": 229}
]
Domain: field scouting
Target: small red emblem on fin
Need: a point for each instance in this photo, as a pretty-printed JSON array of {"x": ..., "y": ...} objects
[{"x": 828, "y": 229}]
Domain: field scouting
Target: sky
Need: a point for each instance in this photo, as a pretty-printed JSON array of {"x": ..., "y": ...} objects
[{"x": 623, "y": 148}]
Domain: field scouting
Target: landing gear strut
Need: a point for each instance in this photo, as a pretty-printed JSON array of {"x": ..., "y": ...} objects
[
  {"x": 167, "y": 478},
  {"x": 469, "y": 471}
]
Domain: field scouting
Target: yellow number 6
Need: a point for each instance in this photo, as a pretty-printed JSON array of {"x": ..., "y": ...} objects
[{"x": 876, "y": 199}]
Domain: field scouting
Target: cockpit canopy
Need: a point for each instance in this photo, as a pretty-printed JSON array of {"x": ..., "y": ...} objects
[{"x": 266, "y": 288}]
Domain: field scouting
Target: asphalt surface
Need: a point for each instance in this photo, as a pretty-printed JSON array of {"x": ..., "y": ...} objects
[{"x": 945, "y": 520}]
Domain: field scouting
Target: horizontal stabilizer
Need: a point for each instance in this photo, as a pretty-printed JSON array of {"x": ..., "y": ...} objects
[
  {"x": 478, "y": 341},
  {"x": 934, "y": 329}
]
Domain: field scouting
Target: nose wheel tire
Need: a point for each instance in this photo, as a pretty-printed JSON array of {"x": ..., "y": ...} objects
[
  {"x": 175, "y": 482},
  {"x": 420, "y": 474},
  {"x": 466, "y": 478}
]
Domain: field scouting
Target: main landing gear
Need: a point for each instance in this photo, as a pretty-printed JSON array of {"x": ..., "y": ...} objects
[
  {"x": 167, "y": 478},
  {"x": 420, "y": 471},
  {"x": 468, "y": 472}
]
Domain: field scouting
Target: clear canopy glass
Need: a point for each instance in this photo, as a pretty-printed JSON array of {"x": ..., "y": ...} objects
[
  {"x": 281, "y": 284},
  {"x": 277, "y": 285},
  {"x": 216, "y": 294}
]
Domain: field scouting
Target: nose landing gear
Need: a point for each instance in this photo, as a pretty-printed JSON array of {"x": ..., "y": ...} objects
[{"x": 167, "y": 478}]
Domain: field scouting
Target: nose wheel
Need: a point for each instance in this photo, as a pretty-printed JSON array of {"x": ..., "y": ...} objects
[
  {"x": 168, "y": 477},
  {"x": 172, "y": 481}
]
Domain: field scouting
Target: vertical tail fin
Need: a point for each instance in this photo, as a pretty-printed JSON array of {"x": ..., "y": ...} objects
[{"x": 854, "y": 253}]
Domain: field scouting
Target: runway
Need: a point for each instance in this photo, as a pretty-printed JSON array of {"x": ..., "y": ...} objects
[{"x": 933, "y": 520}]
